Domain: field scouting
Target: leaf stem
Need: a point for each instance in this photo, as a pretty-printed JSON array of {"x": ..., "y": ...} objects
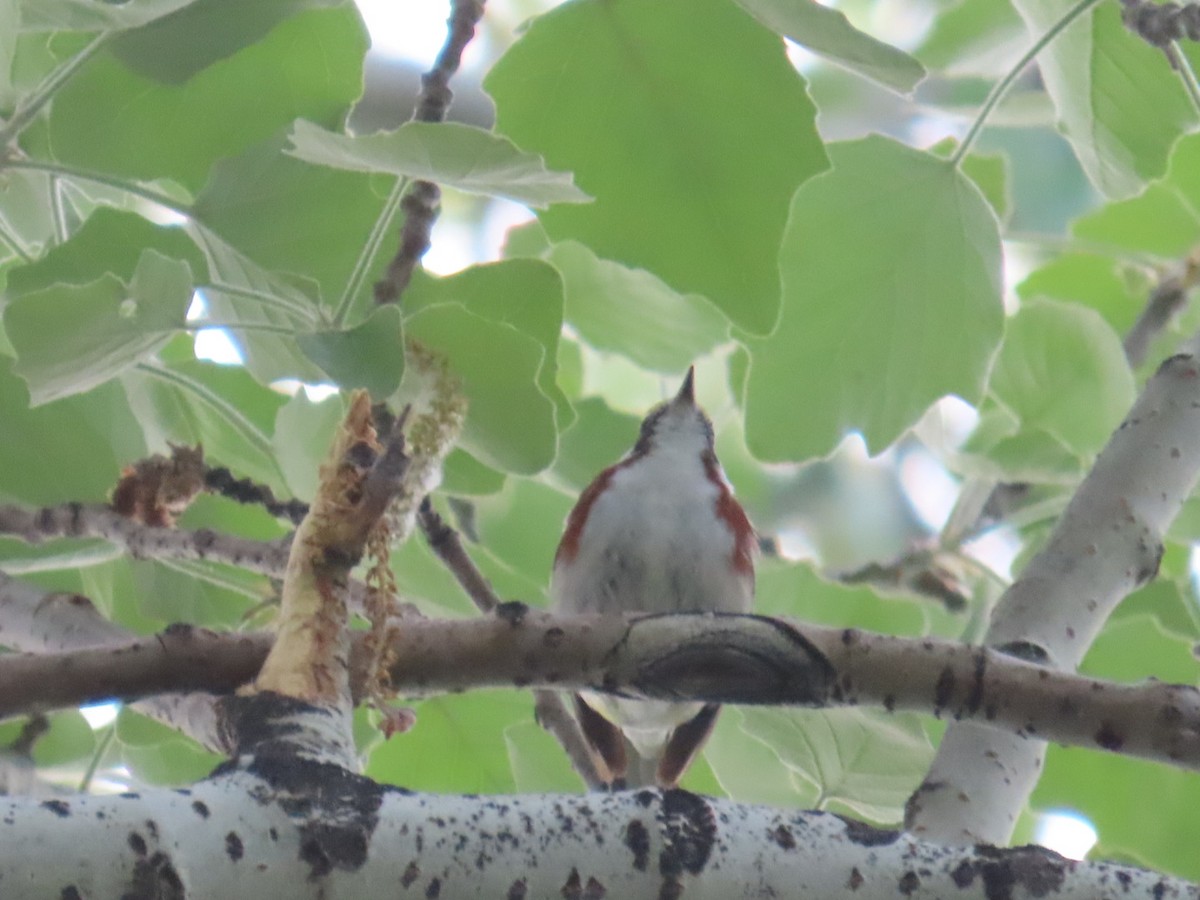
[
  {"x": 201, "y": 391},
  {"x": 1187, "y": 75},
  {"x": 94, "y": 763},
  {"x": 366, "y": 257},
  {"x": 42, "y": 94},
  {"x": 120, "y": 184},
  {"x": 1001, "y": 87},
  {"x": 278, "y": 301}
]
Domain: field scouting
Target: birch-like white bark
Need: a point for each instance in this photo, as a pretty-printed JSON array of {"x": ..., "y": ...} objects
[
  {"x": 240, "y": 835},
  {"x": 733, "y": 659},
  {"x": 1107, "y": 543}
]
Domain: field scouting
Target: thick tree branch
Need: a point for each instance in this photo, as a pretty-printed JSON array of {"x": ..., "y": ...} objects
[
  {"x": 1107, "y": 543},
  {"x": 267, "y": 831},
  {"x": 731, "y": 659}
]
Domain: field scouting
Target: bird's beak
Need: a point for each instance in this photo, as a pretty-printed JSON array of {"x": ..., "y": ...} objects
[{"x": 687, "y": 393}]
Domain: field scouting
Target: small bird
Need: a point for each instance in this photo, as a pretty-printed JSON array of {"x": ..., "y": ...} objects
[{"x": 658, "y": 532}]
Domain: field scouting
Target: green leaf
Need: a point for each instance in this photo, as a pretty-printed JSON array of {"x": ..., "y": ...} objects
[
  {"x": 1163, "y": 219},
  {"x": 891, "y": 275},
  {"x": 538, "y": 762},
  {"x": 113, "y": 118},
  {"x": 463, "y": 157},
  {"x": 39, "y": 448},
  {"x": 974, "y": 37},
  {"x": 457, "y": 745},
  {"x": 990, "y": 173},
  {"x": 528, "y": 550},
  {"x": 112, "y": 242},
  {"x": 464, "y": 474},
  {"x": 303, "y": 433},
  {"x": 158, "y": 755},
  {"x": 70, "y": 338},
  {"x": 630, "y": 311},
  {"x": 1118, "y": 102},
  {"x": 289, "y": 216},
  {"x": 69, "y": 739},
  {"x": 599, "y": 437},
  {"x": 222, "y": 407},
  {"x": 858, "y": 760},
  {"x": 686, "y": 122},
  {"x": 240, "y": 291},
  {"x": 829, "y": 33},
  {"x": 1062, "y": 370},
  {"x": 514, "y": 401},
  {"x": 796, "y": 589},
  {"x": 1090, "y": 280},
  {"x": 369, "y": 355},
  {"x": 177, "y": 47},
  {"x": 87, "y": 15}
]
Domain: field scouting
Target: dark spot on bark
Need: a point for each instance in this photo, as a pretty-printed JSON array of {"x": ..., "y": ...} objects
[
  {"x": 513, "y": 612},
  {"x": 517, "y": 890},
  {"x": 784, "y": 838},
  {"x": 645, "y": 798},
  {"x": 70, "y": 892},
  {"x": 867, "y": 835},
  {"x": 1109, "y": 738},
  {"x": 943, "y": 691},
  {"x": 1159, "y": 891},
  {"x": 60, "y": 808},
  {"x": 854, "y": 882},
  {"x": 594, "y": 890},
  {"x": 689, "y": 833},
  {"x": 234, "y": 847},
  {"x": 849, "y": 636},
  {"x": 137, "y": 843},
  {"x": 637, "y": 839},
  {"x": 201, "y": 808},
  {"x": 963, "y": 875},
  {"x": 671, "y": 889},
  {"x": 156, "y": 877},
  {"x": 909, "y": 884},
  {"x": 411, "y": 873},
  {"x": 573, "y": 886},
  {"x": 1037, "y": 871},
  {"x": 553, "y": 636},
  {"x": 1026, "y": 650},
  {"x": 889, "y": 702},
  {"x": 1148, "y": 571},
  {"x": 434, "y": 890}
]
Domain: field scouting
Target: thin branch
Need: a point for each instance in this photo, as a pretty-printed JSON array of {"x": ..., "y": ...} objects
[
  {"x": 548, "y": 707},
  {"x": 143, "y": 541},
  {"x": 1166, "y": 300},
  {"x": 686, "y": 656},
  {"x": 445, "y": 542},
  {"x": 421, "y": 203}
]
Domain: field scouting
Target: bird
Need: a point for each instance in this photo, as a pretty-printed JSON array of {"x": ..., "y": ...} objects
[{"x": 659, "y": 531}]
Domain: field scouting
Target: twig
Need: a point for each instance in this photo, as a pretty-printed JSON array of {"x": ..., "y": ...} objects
[
  {"x": 446, "y": 543},
  {"x": 549, "y": 710},
  {"x": 221, "y": 481},
  {"x": 1167, "y": 298},
  {"x": 421, "y": 204}
]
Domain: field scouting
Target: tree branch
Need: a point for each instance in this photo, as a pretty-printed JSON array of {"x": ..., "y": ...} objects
[
  {"x": 421, "y": 203},
  {"x": 730, "y": 659},
  {"x": 1107, "y": 543}
]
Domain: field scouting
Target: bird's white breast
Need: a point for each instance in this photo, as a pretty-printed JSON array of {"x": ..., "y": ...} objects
[{"x": 653, "y": 542}]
